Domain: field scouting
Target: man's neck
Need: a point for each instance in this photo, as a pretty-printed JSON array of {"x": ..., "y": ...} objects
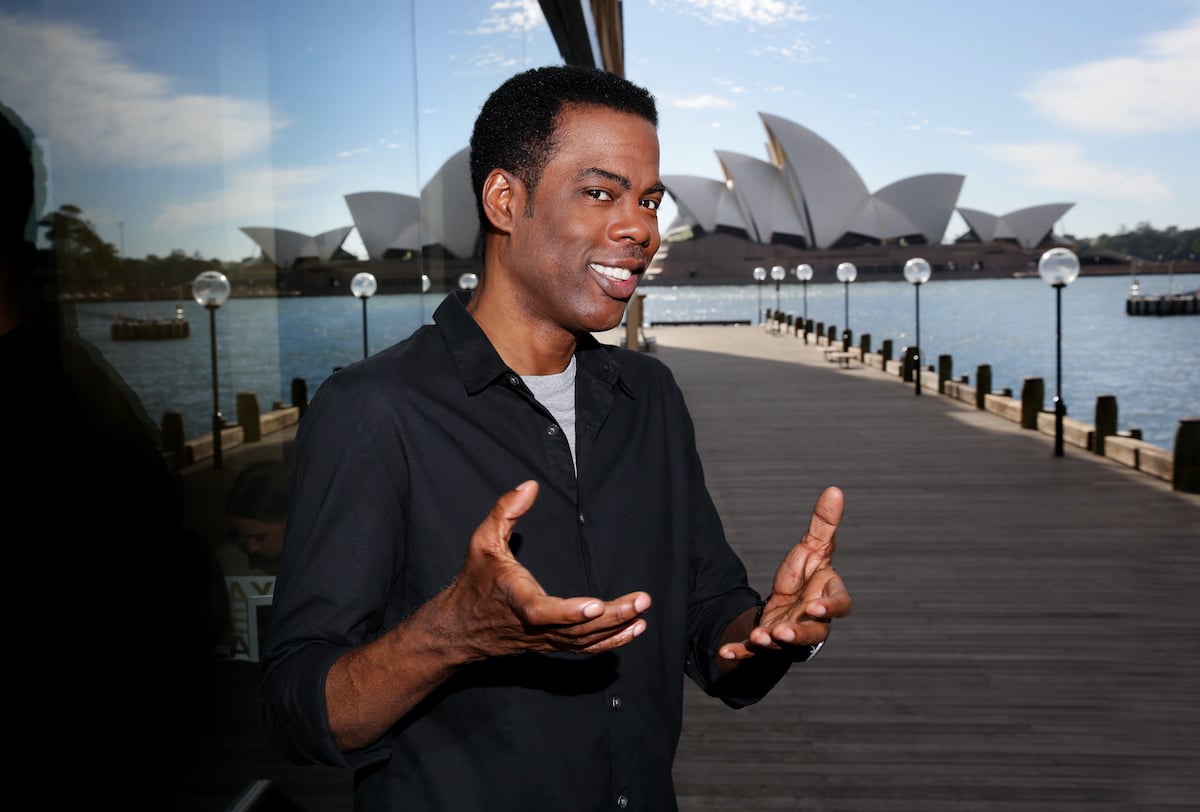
[{"x": 528, "y": 346}]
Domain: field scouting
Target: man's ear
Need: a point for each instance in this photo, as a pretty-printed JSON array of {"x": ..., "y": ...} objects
[{"x": 501, "y": 199}]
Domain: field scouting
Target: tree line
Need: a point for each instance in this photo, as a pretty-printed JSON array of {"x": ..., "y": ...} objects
[
  {"x": 87, "y": 266},
  {"x": 1148, "y": 244}
]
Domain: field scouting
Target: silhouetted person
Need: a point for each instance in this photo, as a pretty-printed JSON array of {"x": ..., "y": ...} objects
[{"x": 108, "y": 614}]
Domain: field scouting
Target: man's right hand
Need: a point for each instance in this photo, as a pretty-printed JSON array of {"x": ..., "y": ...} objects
[{"x": 496, "y": 607}]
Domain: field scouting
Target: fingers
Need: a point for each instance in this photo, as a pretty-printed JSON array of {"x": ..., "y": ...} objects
[
  {"x": 496, "y": 530},
  {"x": 602, "y": 615},
  {"x": 504, "y": 608},
  {"x": 826, "y": 516}
]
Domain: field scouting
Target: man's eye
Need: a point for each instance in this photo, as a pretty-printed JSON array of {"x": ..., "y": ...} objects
[
  {"x": 652, "y": 204},
  {"x": 599, "y": 194}
]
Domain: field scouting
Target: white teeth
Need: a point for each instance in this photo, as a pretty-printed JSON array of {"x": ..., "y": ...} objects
[{"x": 620, "y": 274}]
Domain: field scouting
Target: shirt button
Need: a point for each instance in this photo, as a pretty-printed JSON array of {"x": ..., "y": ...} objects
[
  {"x": 582, "y": 520},
  {"x": 616, "y": 703},
  {"x": 552, "y": 429},
  {"x": 513, "y": 379},
  {"x": 622, "y": 802}
]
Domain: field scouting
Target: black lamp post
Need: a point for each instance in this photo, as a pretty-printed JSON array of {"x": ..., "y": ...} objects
[
  {"x": 778, "y": 273},
  {"x": 846, "y": 273},
  {"x": 760, "y": 273},
  {"x": 210, "y": 290},
  {"x": 1058, "y": 267},
  {"x": 363, "y": 285},
  {"x": 917, "y": 271},
  {"x": 804, "y": 273}
]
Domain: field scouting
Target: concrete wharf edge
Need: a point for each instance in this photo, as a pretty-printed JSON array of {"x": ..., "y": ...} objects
[{"x": 1026, "y": 631}]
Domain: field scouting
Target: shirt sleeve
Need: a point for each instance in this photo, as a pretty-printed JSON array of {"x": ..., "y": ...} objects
[{"x": 344, "y": 528}]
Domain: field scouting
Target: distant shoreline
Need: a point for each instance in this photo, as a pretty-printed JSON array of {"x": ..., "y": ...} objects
[{"x": 866, "y": 274}]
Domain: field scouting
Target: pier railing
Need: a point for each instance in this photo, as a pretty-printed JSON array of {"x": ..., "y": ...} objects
[
  {"x": 1179, "y": 466},
  {"x": 251, "y": 427}
]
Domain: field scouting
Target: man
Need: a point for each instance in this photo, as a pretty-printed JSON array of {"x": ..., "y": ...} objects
[
  {"x": 257, "y": 506},
  {"x": 532, "y": 660}
]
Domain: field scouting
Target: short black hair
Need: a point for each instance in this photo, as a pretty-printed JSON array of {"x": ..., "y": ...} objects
[{"x": 516, "y": 127}]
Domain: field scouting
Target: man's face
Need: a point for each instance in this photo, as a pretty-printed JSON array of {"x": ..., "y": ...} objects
[
  {"x": 262, "y": 542},
  {"x": 578, "y": 257}
]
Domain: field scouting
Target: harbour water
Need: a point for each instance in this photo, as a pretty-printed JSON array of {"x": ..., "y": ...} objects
[{"x": 1149, "y": 363}]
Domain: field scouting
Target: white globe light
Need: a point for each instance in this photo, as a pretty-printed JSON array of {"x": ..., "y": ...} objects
[
  {"x": 425, "y": 283},
  {"x": 846, "y": 272},
  {"x": 917, "y": 271},
  {"x": 468, "y": 281},
  {"x": 363, "y": 285},
  {"x": 210, "y": 289},
  {"x": 1058, "y": 266},
  {"x": 804, "y": 272},
  {"x": 760, "y": 273},
  {"x": 778, "y": 273}
]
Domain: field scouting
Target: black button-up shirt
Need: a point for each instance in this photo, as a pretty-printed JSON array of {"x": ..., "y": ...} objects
[{"x": 399, "y": 457}]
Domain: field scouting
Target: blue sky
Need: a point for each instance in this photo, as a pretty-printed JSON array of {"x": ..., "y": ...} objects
[{"x": 172, "y": 124}]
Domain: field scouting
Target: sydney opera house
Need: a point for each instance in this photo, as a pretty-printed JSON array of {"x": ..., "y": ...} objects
[{"x": 803, "y": 202}]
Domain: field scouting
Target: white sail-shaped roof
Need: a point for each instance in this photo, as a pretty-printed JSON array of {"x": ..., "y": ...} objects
[
  {"x": 448, "y": 213},
  {"x": 881, "y": 220},
  {"x": 328, "y": 242},
  {"x": 381, "y": 217},
  {"x": 1030, "y": 225},
  {"x": 927, "y": 201},
  {"x": 697, "y": 199},
  {"x": 754, "y": 184},
  {"x": 281, "y": 246},
  {"x": 832, "y": 191},
  {"x": 982, "y": 223}
]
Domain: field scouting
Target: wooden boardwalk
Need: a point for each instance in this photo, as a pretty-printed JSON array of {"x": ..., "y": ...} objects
[{"x": 1026, "y": 631}]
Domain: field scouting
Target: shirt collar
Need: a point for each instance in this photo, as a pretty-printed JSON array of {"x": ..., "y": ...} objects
[{"x": 480, "y": 365}]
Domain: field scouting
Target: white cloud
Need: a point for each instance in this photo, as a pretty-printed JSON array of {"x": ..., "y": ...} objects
[
  {"x": 1063, "y": 167},
  {"x": 704, "y": 101},
  {"x": 955, "y": 131},
  {"x": 510, "y": 16},
  {"x": 1154, "y": 91},
  {"x": 754, "y": 12},
  {"x": 250, "y": 195},
  {"x": 77, "y": 90},
  {"x": 779, "y": 26},
  {"x": 349, "y": 153}
]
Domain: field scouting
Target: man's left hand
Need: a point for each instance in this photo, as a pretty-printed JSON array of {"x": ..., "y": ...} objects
[{"x": 807, "y": 592}]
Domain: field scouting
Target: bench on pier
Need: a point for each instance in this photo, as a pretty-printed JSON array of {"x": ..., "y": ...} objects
[{"x": 839, "y": 357}]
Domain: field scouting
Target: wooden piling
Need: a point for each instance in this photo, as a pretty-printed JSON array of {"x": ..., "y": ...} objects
[
  {"x": 1106, "y": 420},
  {"x": 983, "y": 384},
  {"x": 248, "y": 416},
  {"x": 945, "y": 364},
  {"x": 1033, "y": 397},
  {"x": 1186, "y": 475}
]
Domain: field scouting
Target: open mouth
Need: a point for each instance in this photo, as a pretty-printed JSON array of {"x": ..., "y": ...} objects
[
  {"x": 617, "y": 282},
  {"x": 617, "y": 274}
]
